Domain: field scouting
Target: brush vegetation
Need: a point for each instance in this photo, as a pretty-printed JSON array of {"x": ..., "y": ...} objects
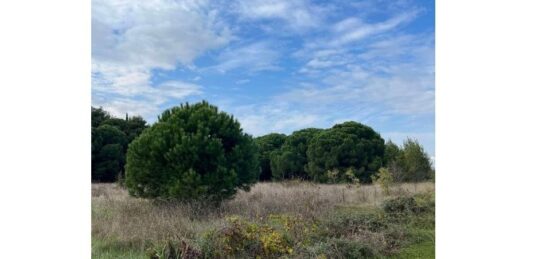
[{"x": 273, "y": 220}]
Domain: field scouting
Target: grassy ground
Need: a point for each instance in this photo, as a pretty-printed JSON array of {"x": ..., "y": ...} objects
[{"x": 292, "y": 219}]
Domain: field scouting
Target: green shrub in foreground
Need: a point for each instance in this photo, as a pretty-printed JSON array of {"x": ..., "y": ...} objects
[{"x": 193, "y": 152}]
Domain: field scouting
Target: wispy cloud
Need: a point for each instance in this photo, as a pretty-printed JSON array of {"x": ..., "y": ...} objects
[
  {"x": 353, "y": 29},
  {"x": 257, "y": 56},
  {"x": 296, "y": 14}
]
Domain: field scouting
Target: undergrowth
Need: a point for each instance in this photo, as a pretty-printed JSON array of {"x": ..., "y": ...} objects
[{"x": 400, "y": 227}]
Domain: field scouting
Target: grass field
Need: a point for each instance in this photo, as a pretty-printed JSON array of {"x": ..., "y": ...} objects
[{"x": 289, "y": 220}]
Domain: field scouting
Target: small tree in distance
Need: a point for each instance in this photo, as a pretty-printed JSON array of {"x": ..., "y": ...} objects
[
  {"x": 384, "y": 179},
  {"x": 409, "y": 163},
  {"x": 193, "y": 152}
]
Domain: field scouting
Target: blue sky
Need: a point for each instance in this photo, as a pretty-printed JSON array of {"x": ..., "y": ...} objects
[{"x": 278, "y": 66}]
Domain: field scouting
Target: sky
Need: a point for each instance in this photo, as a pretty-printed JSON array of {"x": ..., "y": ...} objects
[{"x": 277, "y": 66}]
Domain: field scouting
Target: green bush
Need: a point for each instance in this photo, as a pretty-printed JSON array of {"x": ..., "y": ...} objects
[
  {"x": 172, "y": 250},
  {"x": 384, "y": 179},
  {"x": 193, "y": 152},
  {"x": 400, "y": 205},
  {"x": 346, "y": 222},
  {"x": 346, "y": 248},
  {"x": 344, "y": 146},
  {"x": 243, "y": 239}
]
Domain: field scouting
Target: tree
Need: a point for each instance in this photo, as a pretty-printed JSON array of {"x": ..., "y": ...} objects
[
  {"x": 108, "y": 157},
  {"x": 108, "y": 144},
  {"x": 131, "y": 127},
  {"x": 193, "y": 152},
  {"x": 344, "y": 146},
  {"x": 384, "y": 179},
  {"x": 414, "y": 161},
  {"x": 266, "y": 146},
  {"x": 290, "y": 160},
  {"x": 98, "y": 116},
  {"x": 391, "y": 152},
  {"x": 134, "y": 126}
]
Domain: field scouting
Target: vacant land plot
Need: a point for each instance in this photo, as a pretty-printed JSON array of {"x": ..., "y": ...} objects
[{"x": 289, "y": 219}]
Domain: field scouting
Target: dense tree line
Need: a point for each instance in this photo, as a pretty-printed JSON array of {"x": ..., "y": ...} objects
[
  {"x": 347, "y": 152},
  {"x": 198, "y": 152},
  {"x": 110, "y": 139}
]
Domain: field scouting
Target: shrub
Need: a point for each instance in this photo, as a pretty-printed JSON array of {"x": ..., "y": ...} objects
[
  {"x": 245, "y": 239},
  {"x": 171, "y": 250},
  {"x": 383, "y": 178},
  {"x": 193, "y": 152},
  {"x": 400, "y": 205},
  {"x": 346, "y": 248},
  {"x": 351, "y": 221},
  {"x": 279, "y": 236}
]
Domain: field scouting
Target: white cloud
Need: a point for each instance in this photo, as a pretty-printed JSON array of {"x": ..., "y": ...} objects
[
  {"x": 146, "y": 104},
  {"x": 296, "y": 14},
  {"x": 258, "y": 56},
  {"x": 153, "y": 34},
  {"x": 131, "y": 38},
  {"x": 271, "y": 117},
  {"x": 391, "y": 76},
  {"x": 120, "y": 106},
  {"x": 353, "y": 29}
]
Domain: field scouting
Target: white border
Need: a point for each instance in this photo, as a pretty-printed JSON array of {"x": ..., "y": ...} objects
[
  {"x": 492, "y": 128},
  {"x": 45, "y": 130}
]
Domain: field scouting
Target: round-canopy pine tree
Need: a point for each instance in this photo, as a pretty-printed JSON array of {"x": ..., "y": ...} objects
[
  {"x": 193, "y": 152},
  {"x": 346, "y": 147}
]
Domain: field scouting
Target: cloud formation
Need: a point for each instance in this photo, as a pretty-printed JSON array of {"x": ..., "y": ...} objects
[
  {"x": 278, "y": 66},
  {"x": 131, "y": 38}
]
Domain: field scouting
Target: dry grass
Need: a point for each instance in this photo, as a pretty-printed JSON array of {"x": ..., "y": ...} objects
[{"x": 137, "y": 223}]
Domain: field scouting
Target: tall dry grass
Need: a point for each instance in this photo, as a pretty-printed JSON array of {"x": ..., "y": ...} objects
[{"x": 133, "y": 222}]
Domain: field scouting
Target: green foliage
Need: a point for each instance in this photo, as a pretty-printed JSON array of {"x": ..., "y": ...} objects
[
  {"x": 409, "y": 163},
  {"x": 349, "y": 248},
  {"x": 98, "y": 116},
  {"x": 108, "y": 145},
  {"x": 391, "y": 153},
  {"x": 172, "y": 250},
  {"x": 344, "y": 146},
  {"x": 395, "y": 229},
  {"x": 384, "y": 179},
  {"x": 267, "y": 145},
  {"x": 193, "y": 152},
  {"x": 290, "y": 160},
  {"x": 400, "y": 205},
  {"x": 109, "y": 249},
  {"x": 110, "y": 138},
  {"x": 415, "y": 161},
  {"x": 246, "y": 239}
]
